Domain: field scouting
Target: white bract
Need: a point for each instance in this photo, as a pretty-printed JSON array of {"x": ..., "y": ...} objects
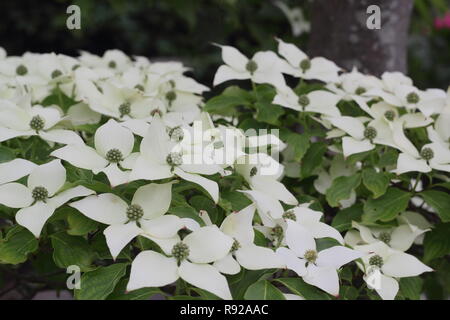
[
  {"x": 43, "y": 194},
  {"x": 113, "y": 147},
  {"x": 189, "y": 260},
  {"x": 145, "y": 216}
]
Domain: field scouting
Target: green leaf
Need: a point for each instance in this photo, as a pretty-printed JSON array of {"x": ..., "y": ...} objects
[
  {"x": 79, "y": 224},
  {"x": 411, "y": 287},
  {"x": 299, "y": 287},
  {"x": 386, "y": 207},
  {"x": 343, "y": 219},
  {"x": 377, "y": 182},
  {"x": 313, "y": 158},
  {"x": 348, "y": 293},
  {"x": 18, "y": 243},
  {"x": 98, "y": 284},
  {"x": 300, "y": 144},
  {"x": 240, "y": 282},
  {"x": 440, "y": 201},
  {"x": 226, "y": 103},
  {"x": 6, "y": 154},
  {"x": 71, "y": 250},
  {"x": 204, "y": 203},
  {"x": 341, "y": 188},
  {"x": 186, "y": 212},
  {"x": 437, "y": 242},
  {"x": 233, "y": 201},
  {"x": 268, "y": 112},
  {"x": 263, "y": 290}
]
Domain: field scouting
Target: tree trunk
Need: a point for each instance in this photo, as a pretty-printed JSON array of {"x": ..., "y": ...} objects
[{"x": 339, "y": 33}]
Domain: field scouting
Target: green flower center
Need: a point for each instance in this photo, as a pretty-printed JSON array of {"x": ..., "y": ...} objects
[
  {"x": 180, "y": 251},
  {"x": 360, "y": 91},
  {"x": 21, "y": 70},
  {"x": 253, "y": 171},
  {"x": 114, "y": 155},
  {"x": 112, "y": 64},
  {"x": 174, "y": 159},
  {"x": 412, "y": 97},
  {"x": 370, "y": 133},
  {"x": 303, "y": 100},
  {"x": 236, "y": 245},
  {"x": 135, "y": 212},
  {"x": 251, "y": 66},
  {"x": 277, "y": 232},
  {"x": 311, "y": 256},
  {"x": 389, "y": 115},
  {"x": 305, "y": 65},
  {"x": 56, "y": 73},
  {"x": 427, "y": 154},
  {"x": 125, "y": 109},
  {"x": 176, "y": 134},
  {"x": 376, "y": 260},
  {"x": 37, "y": 123},
  {"x": 290, "y": 215},
  {"x": 39, "y": 193},
  {"x": 385, "y": 237},
  {"x": 171, "y": 96}
]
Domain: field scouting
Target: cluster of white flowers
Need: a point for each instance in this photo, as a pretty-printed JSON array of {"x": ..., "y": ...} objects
[{"x": 154, "y": 130}]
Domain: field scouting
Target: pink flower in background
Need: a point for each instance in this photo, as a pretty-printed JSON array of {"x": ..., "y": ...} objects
[{"x": 442, "y": 22}]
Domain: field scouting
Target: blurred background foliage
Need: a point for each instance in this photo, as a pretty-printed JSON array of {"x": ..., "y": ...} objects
[{"x": 185, "y": 29}]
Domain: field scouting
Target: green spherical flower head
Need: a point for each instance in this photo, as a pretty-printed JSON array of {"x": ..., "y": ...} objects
[
  {"x": 385, "y": 237},
  {"x": 171, "y": 96},
  {"x": 303, "y": 100},
  {"x": 56, "y": 73},
  {"x": 176, "y": 134},
  {"x": 236, "y": 245},
  {"x": 311, "y": 256},
  {"x": 376, "y": 260},
  {"x": 251, "y": 66},
  {"x": 253, "y": 171},
  {"x": 290, "y": 215},
  {"x": 112, "y": 64},
  {"x": 305, "y": 65},
  {"x": 389, "y": 115},
  {"x": 139, "y": 87},
  {"x": 37, "y": 123},
  {"x": 156, "y": 111},
  {"x": 174, "y": 159},
  {"x": 427, "y": 154},
  {"x": 370, "y": 133},
  {"x": 277, "y": 232},
  {"x": 39, "y": 193},
  {"x": 360, "y": 91},
  {"x": 135, "y": 212},
  {"x": 180, "y": 251},
  {"x": 412, "y": 97},
  {"x": 124, "y": 109},
  {"x": 114, "y": 155},
  {"x": 21, "y": 70}
]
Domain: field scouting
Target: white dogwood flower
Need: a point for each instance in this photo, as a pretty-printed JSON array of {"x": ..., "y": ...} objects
[
  {"x": 238, "y": 225},
  {"x": 43, "y": 194},
  {"x": 113, "y": 146},
  {"x": 316, "y": 268},
  {"x": 189, "y": 260},
  {"x": 319, "y": 101},
  {"x": 383, "y": 266},
  {"x": 301, "y": 66},
  {"x": 160, "y": 158},
  {"x": 399, "y": 238},
  {"x": 145, "y": 216},
  {"x": 263, "y": 67},
  {"x": 25, "y": 120}
]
